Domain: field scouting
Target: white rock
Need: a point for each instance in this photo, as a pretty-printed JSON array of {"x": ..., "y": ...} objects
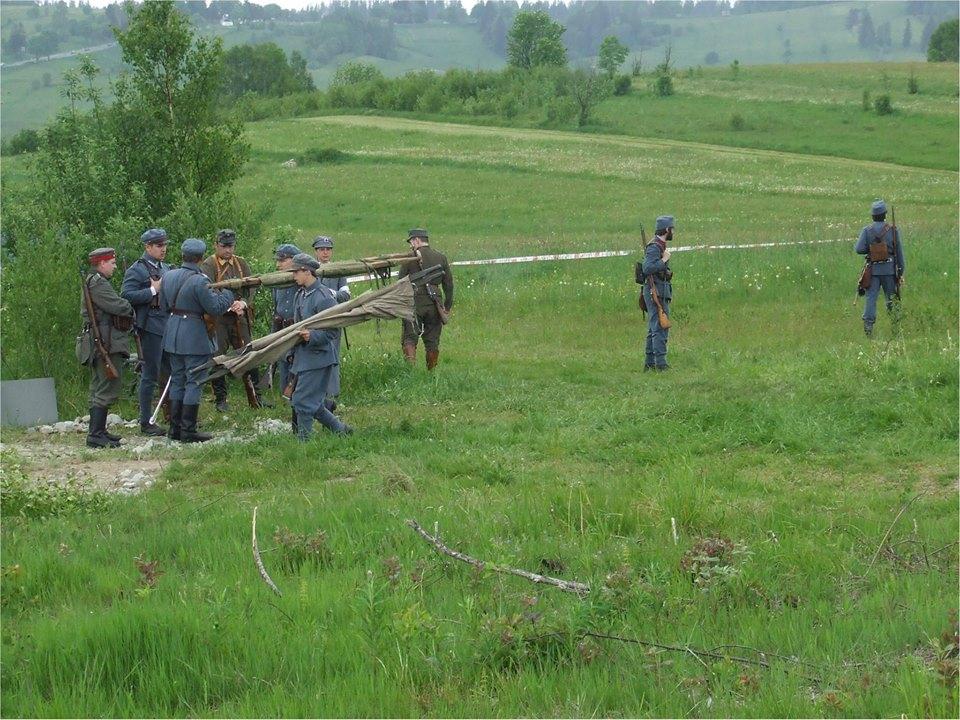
[
  {"x": 46, "y": 429},
  {"x": 114, "y": 419},
  {"x": 291, "y": 163}
]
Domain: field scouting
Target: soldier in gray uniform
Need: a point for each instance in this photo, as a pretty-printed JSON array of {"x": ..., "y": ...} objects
[
  {"x": 141, "y": 287},
  {"x": 114, "y": 320},
  {"x": 315, "y": 356},
  {"x": 283, "y": 301},
  {"x": 428, "y": 302},
  {"x": 323, "y": 249},
  {"x": 881, "y": 244},
  {"x": 656, "y": 266},
  {"x": 185, "y": 294}
]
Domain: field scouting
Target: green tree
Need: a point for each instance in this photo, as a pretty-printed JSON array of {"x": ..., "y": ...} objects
[
  {"x": 534, "y": 40},
  {"x": 43, "y": 44},
  {"x": 264, "y": 70},
  {"x": 612, "y": 55},
  {"x": 354, "y": 73},
  {"x": 943, "y": 45},
  {"x": 867, "y": 37},
  {"x": 907, "y": 39},
  {"x": 587, "y": 89},
  {"x": 172, "y": 137}
]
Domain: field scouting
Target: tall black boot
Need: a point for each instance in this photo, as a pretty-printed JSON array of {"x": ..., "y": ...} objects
[
  {"x": 176, "y": 416},
  {"x": 293, "y": 421},
  {"x": 96, "y": 435},
  {"x": 188, "y": 426},
  {"x": 219, "y": 386}
]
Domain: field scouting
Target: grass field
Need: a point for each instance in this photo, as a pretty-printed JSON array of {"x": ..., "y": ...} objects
[{"x": 781, "y": 433}]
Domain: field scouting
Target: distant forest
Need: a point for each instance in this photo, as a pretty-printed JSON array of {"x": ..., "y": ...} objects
[{"x": 367, "y": 27}]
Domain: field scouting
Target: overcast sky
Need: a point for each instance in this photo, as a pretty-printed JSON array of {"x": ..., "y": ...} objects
[{"x": 290, "y": 4}]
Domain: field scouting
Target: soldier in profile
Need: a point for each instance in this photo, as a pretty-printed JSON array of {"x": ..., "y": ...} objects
[
  {"x": 323, "y": 248},
  {"x": 104, "y": 343},
  {"x": 432, "y": 309},
  {"x": 658, "y": 276}
]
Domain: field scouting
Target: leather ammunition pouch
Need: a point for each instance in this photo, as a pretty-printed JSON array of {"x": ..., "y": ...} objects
[
  {"x": 638, "y": 273},
  {"x": 279, "y": 323},
  {"x": 866, "y": 277},
  {"x": 123, "y": 323},
  {"x": 84, "y": 347}
]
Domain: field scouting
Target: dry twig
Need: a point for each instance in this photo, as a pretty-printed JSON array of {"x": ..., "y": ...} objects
[
  {"x": 565, "y": 585},
  {"x": 886, "y": 535},
  {"x": 256, "y": 558}
]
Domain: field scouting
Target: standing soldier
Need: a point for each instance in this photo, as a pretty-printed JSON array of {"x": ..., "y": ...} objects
[
  {"x": 323, "y": 248},
  {"x": 657, "y": 274},
  {"x": 283, "y": 306},
  {"x": 232, "y": 330},
  {"x": 141, "y": 288},
  {"x": 314, "y": 356},
  {"x": 103, "y": 345},
  {"x": 186, "y": 296},
  {"x": 880, "y": 242},
  {"x": 431, "y": 310}
]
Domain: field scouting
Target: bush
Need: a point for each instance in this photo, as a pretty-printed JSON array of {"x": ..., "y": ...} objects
[
  {"x": 882, "y": 105},
  {"x": 913, "y": 85},
  {"x": 622, "y": 84},
  {"x": 354, "y": 73},
  {"x": 323, "y": 155},
  {"x": 712, "y": 58},
  {"x": 25, "y": 141},
  {"x": 663, "y": 86},
  {"x": 737, "y": 122}
]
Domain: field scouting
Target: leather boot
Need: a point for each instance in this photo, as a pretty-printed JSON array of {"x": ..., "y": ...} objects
[
  {"x": 96, "y": 435},
  {"x": 410, "y": 353},
  {"x": 176, "y": 416},
  {"x": 432, "y": 357},
  {"x": 293, "y": 421},
  {"x": 188, "y": 426}
]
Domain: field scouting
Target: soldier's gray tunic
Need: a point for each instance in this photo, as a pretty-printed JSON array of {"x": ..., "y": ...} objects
[
  {"x": 653, "y": 265},
  {"x": 884, "y": 273},
  {"x": 151, "y": 319},
  {"x": 341, "y": 293},
  {"x": 284, "y": 300},
  {"x": 313, "y": 362},
  {"x": 107, "y": 304},
  {"x": 186, "y": 295}
]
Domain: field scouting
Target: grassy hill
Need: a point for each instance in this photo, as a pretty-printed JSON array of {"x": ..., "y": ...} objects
[
  {"x": 815, "y": 34},
  {"x": 819, "y": 466}
]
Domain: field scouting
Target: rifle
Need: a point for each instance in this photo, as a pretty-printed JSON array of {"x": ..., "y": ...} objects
[
  {"x": 109, "y": 368},
  {"x": 432, "y": 293},
  {"x": 897, "y": 270},
  {"x": 654, "y": 295},
  {"x": 251, "y": 391}
]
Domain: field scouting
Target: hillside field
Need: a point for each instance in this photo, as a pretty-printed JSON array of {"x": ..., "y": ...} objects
[{"x": 820, "y": 465}]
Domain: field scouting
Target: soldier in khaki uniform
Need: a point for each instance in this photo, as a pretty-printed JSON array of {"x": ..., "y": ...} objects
[
  {"x": 231, "y": 331},
  {"x": 427, "y": 300},
  {"x": 114, "y": 320}
]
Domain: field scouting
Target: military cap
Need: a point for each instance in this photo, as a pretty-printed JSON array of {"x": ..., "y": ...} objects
[
  {"x": 154, "y": 236},
  {"x": 322, "y": 241},
  {"x": 193, "y": 246},
  {"x": 879, "y": 207},
  {"x": 227, "y": 237},
  {"x": 101, "y": 255},
  {"x": 287, "y": 251},
  {"x": 664, "y": 222},
  {"x": 417, "y": 233},
  {"x": 302, "y": 261}
]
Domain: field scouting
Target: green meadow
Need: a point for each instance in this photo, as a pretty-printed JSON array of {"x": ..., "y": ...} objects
[{"x": 778, "y": 512}]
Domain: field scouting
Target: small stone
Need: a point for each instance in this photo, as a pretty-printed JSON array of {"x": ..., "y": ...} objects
[
  {"x": 114, "y": 419},
  {"x": 46, "y": 429},
  {"x": 291, "y": 163}
]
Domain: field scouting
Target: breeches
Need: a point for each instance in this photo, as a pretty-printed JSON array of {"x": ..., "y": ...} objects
[
  {"x": 155, "y": 364},
  {"x": 103, "y": 391},
  {"x": 889, "y": 285},
  {"x": 656, "y": 350},
  {"x": 427, "y": 325},
  {"x": 185, "y": 384}
]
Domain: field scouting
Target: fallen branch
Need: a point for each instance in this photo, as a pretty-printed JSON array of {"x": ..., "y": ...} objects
[
  {"x": 565, "y": 585},
  {"x": 699, "y": 654},
  {"x": 886, "y": 535},
  {"x": 256, "y": 558}
]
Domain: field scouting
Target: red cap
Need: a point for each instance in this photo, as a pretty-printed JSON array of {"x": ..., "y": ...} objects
[{"x": 101, "y": 255}]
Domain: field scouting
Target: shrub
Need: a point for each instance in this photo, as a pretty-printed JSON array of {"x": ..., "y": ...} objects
[
  {"x": 622, "y": 84},
  {"x": 353, "y": 73},
  {"x": 663, "y": 86},
  {"x": 25, "y": 141},
  {"x": 737, "y": 122},
  {"x": 913, "y": 85},
  {"x": 323, "y": 155},
  {"x": 735, "y": 68},
  {"x": 882, "y": 105},
  {"x": 712, "y": 58}
]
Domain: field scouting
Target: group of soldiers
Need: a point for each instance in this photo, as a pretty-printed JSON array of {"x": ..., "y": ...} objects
[
  {"x": 179, "y": 322},
  {"x": 883, "y": 270}
]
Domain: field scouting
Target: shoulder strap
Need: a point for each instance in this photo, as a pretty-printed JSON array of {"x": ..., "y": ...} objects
[{"x": 176, "y": 296}]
